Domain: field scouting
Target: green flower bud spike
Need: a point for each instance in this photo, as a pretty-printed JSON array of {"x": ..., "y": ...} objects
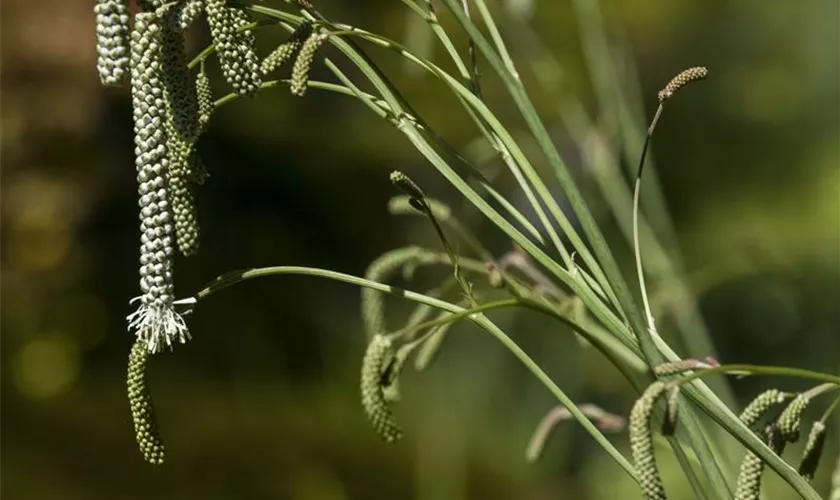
[
  {"x": 204, "y": 96},
  {"x": 641, "y": 442},
  {"x": 813, "y": 451},
  {"x": 288, "y": 49},
  {"x": 236, "y": 50},
  {"x": 374, "y": 403},
  {"x": 409, "y": 187},
  {"x": 112, "y": 40},
  {"x": 681, "y": 80},
  {"x": 142, "y": 410},
  {"x": 790, "y": 419},
  {"x": 761, "y": 405},
  {"x": 303, "y": 63},
  {"x": 752, "y": 468}
]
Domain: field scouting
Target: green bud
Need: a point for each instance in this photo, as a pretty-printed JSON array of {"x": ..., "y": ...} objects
[
  {"x": 790, "y": 419},
  {"x": 142, "y": 410},
  {"x": 288, "y": 49},
  {"x": 303, "y": 63},
  {"x": 813, "y": 451},
  {"x": 374, "y": 403}
]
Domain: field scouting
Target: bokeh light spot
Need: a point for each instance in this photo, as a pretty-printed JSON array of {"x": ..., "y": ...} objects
[{"x": 46, "y": 367}]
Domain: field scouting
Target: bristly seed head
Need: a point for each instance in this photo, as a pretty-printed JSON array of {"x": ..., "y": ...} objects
[
  {"x": 679, "y": 81},
  {"x": 142, "y": 409},
  {"x": 641, "y": 442},
  {"x": 374, "y": 403}
]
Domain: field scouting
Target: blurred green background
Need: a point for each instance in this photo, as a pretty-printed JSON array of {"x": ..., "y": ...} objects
[{"x": 264, "y": 403}]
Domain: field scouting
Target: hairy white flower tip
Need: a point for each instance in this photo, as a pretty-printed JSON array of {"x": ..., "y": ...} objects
[{"x": 158, "y": 327}]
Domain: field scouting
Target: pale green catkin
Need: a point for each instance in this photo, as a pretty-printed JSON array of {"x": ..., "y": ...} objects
[
  {"x": 288, "y": 49},
  {"x": 790, "y": 419},
  {"x": 681, "y": 80},
  {"x": 752, "y": 467},
  {"x": 303, "y": 63},
  {"x": 235, "y": 49},
  {"x": 761, "y": 405},
  {"x": 142, "y": 410},
  {"x": 375, "y": 406},
  {"x": 641, "y": 442},
  {"x": 381, "y": 269},
  {"x": 112, "y": 40},
  {"x": 813, "y": 451},
  {"x": 155, "y": 321},
  {"x": 204, "y": 96}
]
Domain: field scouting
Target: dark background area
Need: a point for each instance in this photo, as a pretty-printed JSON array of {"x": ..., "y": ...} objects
[{"x": 263, "y": 402}]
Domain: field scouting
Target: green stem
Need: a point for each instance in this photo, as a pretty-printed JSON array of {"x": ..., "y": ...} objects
[{"x": 759, "y": 370}]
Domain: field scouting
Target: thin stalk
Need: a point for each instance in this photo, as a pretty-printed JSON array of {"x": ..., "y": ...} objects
[
  {"x": 744, "y": 370},
  {"x": 638, "y": 254}
]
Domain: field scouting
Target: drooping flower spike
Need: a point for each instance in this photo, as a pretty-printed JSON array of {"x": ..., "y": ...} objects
[{"x": 155, "y": 322}]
